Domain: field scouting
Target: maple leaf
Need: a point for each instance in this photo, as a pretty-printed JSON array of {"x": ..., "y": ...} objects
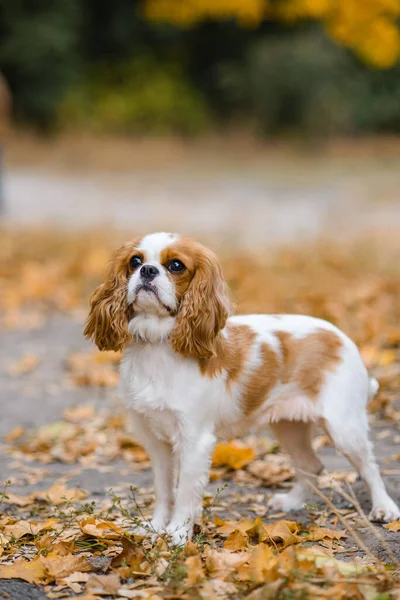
[
  {"x": 97, "y": 528},
  {"x": 283, "y": 532},
  {"x": 221, "y": 563},
  {"x": 272, "y": 470},
  {"x": 236, "y": 541},
  {"x": 195, "y": 571},
  {"x": 393, "y": 526},
  {"x": 58, "y": 493},
  {"x": 225, "y": 528},
  {"x": 19, "y": 529},
  {"x": 280, "y": 532},
  {"x": 315, "y": 534},
  {"x": 232, "y": 455},
  {"x": 262, "y": 564},
  {"x": 57, "y": 567},
  {"x": 74, "y": 580},
  {"x": 104, "y": 584},
  {"x": 32, "y": 572}
]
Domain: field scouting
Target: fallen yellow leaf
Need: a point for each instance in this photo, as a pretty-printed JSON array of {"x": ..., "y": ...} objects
[
  {"x": 232, "y": 455},
  {"x": 280, "y": 532},
  {"x": 262, "y": 564},
  {"x": 236, "y": 541},
  {"x": 101, "y": 529},
  {"x": 225, "y": 528},
  {"x": 195, "y": 571},
  {"x": 19, "y": 529},
  {"x": 104, "y": 584},
  {"x": 283, "y": 532},
  {"x": 221, "y": 563},
  {"x": 59, "y": 493},
  {"x": 57, "y": 567},
  {"x": 32, "y": 572},
  {"x": 315, "y": 534},
  {"x": 393, "y": 526},
  {"x": 272, "y": 470}
]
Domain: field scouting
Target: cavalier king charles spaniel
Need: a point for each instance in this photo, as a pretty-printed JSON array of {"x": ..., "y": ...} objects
[{"x": 192, "y": 374}]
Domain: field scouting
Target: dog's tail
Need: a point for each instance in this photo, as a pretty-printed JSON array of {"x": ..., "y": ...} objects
[{"x": 373, "y": 388}]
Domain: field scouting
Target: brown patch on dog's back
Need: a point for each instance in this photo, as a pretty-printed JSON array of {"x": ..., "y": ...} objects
[
  {"x": 232, "y": 353},
  {"x": 261, "y": 381},
  {"x": 307, "y": 359}
]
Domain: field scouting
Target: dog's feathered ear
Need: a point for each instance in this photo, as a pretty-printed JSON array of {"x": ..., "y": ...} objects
[
  {"x": 204, "y": 309},
  {"x": 107, "y": 323}
]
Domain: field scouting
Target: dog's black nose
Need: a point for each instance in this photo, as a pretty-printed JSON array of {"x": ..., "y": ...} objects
[{"x": 148, "y": 272}]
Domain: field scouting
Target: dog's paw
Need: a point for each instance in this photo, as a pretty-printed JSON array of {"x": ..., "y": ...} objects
[
  {"x": 285, "y": 502},
  {"x": 385, "y": 512},
  {"x": 180, "y": 534},
  {"x": 157, "y": 526},
  {"x": 152, "y": 529}
]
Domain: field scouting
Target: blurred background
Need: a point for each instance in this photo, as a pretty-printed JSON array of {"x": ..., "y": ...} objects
[{"x": 245, "y": 120}]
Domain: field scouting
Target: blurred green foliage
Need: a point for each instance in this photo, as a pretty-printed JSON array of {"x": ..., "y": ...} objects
[
  {"x": 302, "y": 82},
  {"x": 101, "y": 66},
  {"x": 39, "y": 55},
  {"x": 136, "y": 97}
]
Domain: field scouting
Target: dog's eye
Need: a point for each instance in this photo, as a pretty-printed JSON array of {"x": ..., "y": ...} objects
[
  {"x": 135, "y": 262},
  {"x": 176, "y": 266}
]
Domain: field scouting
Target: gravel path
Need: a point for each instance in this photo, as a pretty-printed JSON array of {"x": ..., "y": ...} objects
[{"x": 253, "y": 203}]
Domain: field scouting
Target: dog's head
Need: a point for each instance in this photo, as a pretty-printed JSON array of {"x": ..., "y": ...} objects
[{"x": 157, "y": 287}]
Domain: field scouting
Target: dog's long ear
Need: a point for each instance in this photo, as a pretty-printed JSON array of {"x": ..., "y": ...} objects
[
  {"x": 107, "y": 323},
  {"x": 204, "y": 309}
]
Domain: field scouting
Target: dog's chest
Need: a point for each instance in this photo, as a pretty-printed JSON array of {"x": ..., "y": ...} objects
[
  {"x": 158, "y": 383},
  {"x": 171, "y": 392}
]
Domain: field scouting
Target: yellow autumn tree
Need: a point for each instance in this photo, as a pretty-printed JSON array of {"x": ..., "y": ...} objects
[{"x": 369, "y": 27}]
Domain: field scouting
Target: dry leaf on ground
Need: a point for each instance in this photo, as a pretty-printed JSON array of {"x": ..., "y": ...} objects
[
  {"x": 233, "y": 455},
  {"x": 195, "y": 571},
  {"x": 32, "y": 572},
  {"x": 393, "y": 526},
  {"x": 273, "y": 469},
  {"x": 106, "y": 530},
  {"x": 25, "y": 365}
]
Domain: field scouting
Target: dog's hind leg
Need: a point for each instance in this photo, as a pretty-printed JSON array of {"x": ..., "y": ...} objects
[
  {"x": 351, "y": 439},
  {"x": 295, "y": 437}
]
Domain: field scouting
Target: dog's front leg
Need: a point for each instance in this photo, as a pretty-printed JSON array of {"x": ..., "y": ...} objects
[
  {"x": 194, "y": 457},
  {"x": 160, "y": 454}
]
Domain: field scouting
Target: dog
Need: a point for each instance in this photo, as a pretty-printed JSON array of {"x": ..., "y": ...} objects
[{"x": 192, "y": 374}]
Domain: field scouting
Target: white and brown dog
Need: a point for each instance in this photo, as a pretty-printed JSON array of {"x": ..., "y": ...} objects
[{"x": 191, "y": 374}]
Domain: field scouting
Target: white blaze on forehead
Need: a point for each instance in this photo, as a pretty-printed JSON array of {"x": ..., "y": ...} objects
[{"x": 153, "y": 244}]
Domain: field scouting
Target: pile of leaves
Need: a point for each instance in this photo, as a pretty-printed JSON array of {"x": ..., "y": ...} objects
[{"x": 55, "y": 540}]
